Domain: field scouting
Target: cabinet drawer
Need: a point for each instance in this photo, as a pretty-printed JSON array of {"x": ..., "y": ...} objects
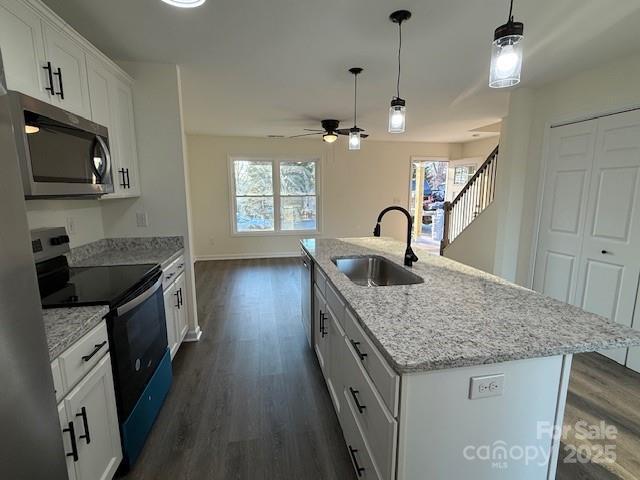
[
  {"x": 356, "y": 444},
  {"x": 335, "y": 303},
  {"x": 172, "y": 272},
  {"x": 377, "y": 425},
  {"x": 93, "y": 346},
  {"x": 320, "y": 280},
  {"x": 386, "y": 381},
  {"x": 58, "y": 386}
]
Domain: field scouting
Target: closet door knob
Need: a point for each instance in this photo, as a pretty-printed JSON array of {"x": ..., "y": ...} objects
[{"x": 605, "y": 252}]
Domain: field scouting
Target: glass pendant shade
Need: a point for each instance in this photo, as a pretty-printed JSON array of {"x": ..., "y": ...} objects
[
  {"x": 330, "y": 137},
  {"x": 354, "y": 140},
  {"x": 506, "y": 62},
  {"x": 397, "y": 116}
]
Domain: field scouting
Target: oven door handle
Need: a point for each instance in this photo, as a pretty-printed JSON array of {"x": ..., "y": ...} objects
[{"x": 130, "y": 305}]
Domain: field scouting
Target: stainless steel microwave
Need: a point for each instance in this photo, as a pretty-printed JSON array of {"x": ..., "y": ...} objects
[{"x": 60, "y": 154}]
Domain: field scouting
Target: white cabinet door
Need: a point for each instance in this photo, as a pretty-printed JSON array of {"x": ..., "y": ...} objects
[
  {"x": 68, "y": 440},
  {"x": 124, "y": 131},
  {"x": 609, "y": 269},
  {"x": 181, "y": 316},
  {"x": 69, "y": 71},
  {"x": 170, "y": 311},
  {"x": 22, "y": 49},
  {"x": 335, "y": 353},
  {"x": 320, "y": 329},
  {"x": 92, "y": 409},
  {"x": 99, "y": 79}
]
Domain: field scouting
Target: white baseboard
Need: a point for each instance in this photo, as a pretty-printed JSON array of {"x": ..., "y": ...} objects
[
  {"x": 245, "y": 256},
  {"x": 193, "y": 335}
]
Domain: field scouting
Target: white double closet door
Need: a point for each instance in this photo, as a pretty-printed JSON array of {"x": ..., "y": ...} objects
[{"x": 588, "y": 251}]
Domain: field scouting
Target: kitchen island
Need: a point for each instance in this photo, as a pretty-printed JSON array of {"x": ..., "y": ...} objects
[{"x": 461, "y": 376}]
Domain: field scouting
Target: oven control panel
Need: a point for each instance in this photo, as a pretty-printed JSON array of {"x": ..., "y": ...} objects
[{"x": 47, "y": 243}]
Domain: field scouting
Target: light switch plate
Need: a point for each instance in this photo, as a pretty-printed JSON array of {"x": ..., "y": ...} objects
[{"x": 486, "y": 386}]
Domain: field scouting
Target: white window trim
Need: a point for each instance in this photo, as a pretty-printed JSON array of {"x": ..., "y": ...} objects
[
  {"x": 275, "y": 172},
  {"x": 468, "y": 166}
]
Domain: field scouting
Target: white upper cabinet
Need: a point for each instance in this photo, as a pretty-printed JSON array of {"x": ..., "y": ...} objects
[
  {"x": 22, "y": 49},
  {"x": 69, "y": 74},
  {"x": 99, "y": 95},
  {"x": 112, "y": 106},
  {"x": 45, "y": 59},
  {"x": 124, "y": 134}
]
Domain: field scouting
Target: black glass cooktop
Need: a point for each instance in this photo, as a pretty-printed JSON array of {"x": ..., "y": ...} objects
[{"x": 82, "y": 286}]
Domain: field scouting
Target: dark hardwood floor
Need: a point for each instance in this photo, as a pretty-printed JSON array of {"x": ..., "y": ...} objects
[
  {"x": 601, "y": 390},
  {"x": 248, "y": 401}
]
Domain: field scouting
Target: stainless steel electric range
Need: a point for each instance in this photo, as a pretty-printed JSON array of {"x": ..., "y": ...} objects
[{"x": 136, "y": 324}]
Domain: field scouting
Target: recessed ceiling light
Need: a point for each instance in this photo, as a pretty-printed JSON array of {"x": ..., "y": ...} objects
[{"x": 185, "y": 3}]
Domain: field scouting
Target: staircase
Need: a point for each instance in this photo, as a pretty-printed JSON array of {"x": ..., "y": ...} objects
[{"x": 476, "y": 195}]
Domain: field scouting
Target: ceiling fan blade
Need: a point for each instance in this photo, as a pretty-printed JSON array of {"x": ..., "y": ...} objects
[
  {"x": 306, "y": 135},
  {"x": 347, "y": 131}
]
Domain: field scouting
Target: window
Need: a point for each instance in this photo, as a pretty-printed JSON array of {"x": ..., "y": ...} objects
[
  {"x": 462, "y": 175},
  {"x": 262, "y": 187}
]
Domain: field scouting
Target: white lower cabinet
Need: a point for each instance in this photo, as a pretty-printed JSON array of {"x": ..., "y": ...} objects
[
  {"x": 321, "y": 332},
  {"x": 400, "y": 427},
  {"x": 90, "y": 428},
  {"x": 175, "y": 310},
  {"x": 68, "y": 441},
  {"x": 369, "y": 428}
]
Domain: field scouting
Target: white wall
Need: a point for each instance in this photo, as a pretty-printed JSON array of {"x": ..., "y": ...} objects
[
  {"x": 609, "y": 87},
  {"x": 355, "y": 186},
  {"x": 475, "y": 246},
  {"x": 86, "y": 216},
  {"x": 159, "y": 131}
]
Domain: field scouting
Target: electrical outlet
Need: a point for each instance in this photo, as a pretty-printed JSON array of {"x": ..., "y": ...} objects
[
  {"x": 142, "y": 219},
  {"x": 71, "y": 225},
  {"x": 486, "y": 386}
]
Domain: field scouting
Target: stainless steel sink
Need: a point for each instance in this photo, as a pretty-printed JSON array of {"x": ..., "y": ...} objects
[{"x": 375, "y": 271}]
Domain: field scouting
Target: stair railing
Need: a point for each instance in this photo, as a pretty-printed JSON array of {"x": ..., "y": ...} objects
[{"x": 474, "y": 197}]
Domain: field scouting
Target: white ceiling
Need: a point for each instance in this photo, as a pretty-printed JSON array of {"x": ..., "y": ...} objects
[{"x": 260, "y": 67}]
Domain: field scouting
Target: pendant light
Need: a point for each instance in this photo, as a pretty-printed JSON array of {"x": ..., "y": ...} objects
[
  {"x": 354, "y": 132},
  {"x": 398, "y": 108},
  {"x": 506, "y": 54}
]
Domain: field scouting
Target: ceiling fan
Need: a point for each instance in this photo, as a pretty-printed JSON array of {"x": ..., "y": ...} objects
[{"x": 330, "y": 130}]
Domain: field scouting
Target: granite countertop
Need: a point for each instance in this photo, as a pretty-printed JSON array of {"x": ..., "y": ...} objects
[
  {"x": 65, "y": 326},
  {"x": 460, "y": 316},
  {"x": 127, "y": 251}
]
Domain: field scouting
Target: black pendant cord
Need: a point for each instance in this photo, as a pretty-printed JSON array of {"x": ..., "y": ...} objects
[
  {"x": 510, "y": 19},
  {"x": 355, "y": 102},
  {"x": 400, "y": 58}
]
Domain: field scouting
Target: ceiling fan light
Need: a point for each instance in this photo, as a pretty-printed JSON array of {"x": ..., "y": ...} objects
[
  {"x": 397, "y": 116},
  {"x": 354, "y": 139},
  {"x": 185, "y": 3},
  {"x": 330, "y": 137}
]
